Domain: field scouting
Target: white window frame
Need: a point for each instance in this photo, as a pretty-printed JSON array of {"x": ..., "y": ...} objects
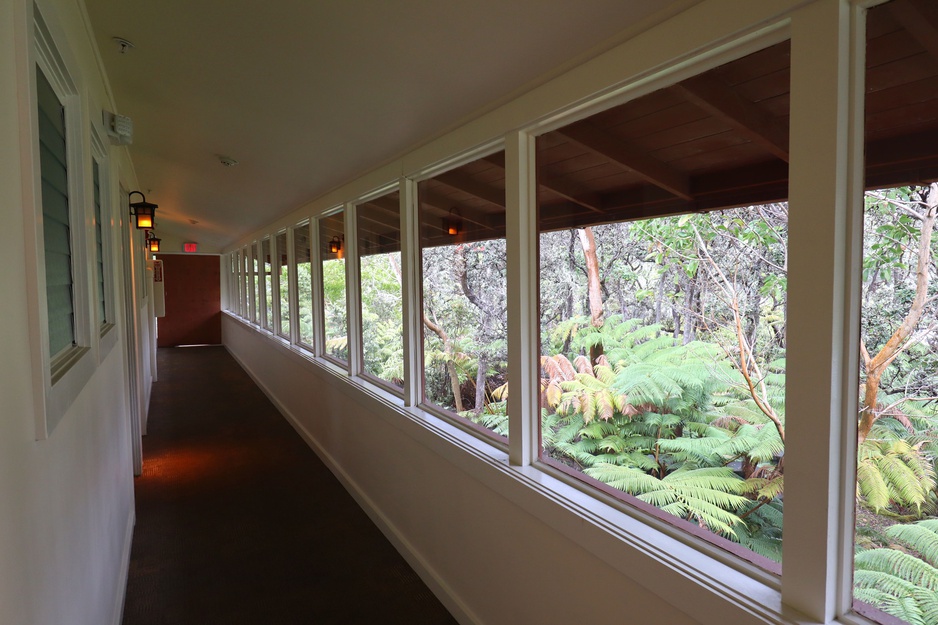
[
  {"x": 99, "y": 154},
  {"x": 57, "y": 380},
  {"x": 354, "y": 292}
]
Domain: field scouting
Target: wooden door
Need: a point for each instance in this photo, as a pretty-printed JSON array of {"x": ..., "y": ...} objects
[{"x": 192, "y": 288}]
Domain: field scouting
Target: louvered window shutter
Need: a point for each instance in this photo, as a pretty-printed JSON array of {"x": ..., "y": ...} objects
[{"x": 55, "y": 217}]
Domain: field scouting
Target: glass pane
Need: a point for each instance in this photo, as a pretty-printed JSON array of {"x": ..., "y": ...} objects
[
  {"x": 379, "y": 257},
  {"x": 284, "y": 283},
  {"x": 335, "y": 311},
  {"x": 256, "y": 278},
  {"x": 266, "y": 285},
  {"x": 465, "y": 318},
  {"x": 304, "y": 282},
  {"x": 99, "y": 243},
  {"x": 896, "y": 546},
  {"x": 245, "y": 284},
  {"x": 663, "y": 252}
]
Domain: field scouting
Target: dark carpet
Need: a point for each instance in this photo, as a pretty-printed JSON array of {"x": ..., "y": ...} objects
[{"x": 239, "y": 522}]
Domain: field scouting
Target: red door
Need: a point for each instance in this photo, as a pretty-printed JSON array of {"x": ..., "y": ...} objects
[{"x": 192, "y": 288}]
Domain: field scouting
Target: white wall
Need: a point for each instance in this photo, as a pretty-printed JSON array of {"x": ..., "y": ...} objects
[{"x": 67, "y": 501}]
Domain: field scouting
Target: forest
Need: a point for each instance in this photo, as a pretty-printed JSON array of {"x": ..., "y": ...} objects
[{"x": 663, "y": 369}]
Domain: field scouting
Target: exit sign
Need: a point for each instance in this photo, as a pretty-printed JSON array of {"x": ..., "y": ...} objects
[{"x": 190, "y": 247}]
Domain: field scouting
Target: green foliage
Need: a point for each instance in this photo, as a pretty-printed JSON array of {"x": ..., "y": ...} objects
[
  {"x": 902, "y": 580},
  {"x": 893, "y": 473}
]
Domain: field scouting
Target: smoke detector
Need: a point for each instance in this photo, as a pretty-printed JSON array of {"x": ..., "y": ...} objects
[
  {"x": 227, "y": 161},
  {"x": 123, "y": 46}
]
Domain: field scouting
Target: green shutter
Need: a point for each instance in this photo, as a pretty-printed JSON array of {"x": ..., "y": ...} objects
[{"x": 55, "y": 218}]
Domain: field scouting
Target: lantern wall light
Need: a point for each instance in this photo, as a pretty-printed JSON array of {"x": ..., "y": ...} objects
[
  {"x": 144, "y": 212},
  {"x": 335, "y": 245},
  {"x": 153, "y": 243}
]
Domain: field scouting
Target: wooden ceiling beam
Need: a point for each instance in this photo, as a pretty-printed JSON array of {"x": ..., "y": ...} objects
[
  {"x": 749, "y": 118},
  {"x": 571, "y": 191},
  {"x": 620, "y": 153},
  {"x": 921, "y": 26},
  {"x": 458, "y": 180},
  {"x": 442, "y": 206}
]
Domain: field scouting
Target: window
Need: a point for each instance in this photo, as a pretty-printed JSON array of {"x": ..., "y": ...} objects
[
  {"x": 302, "y": 255},
  {"x": 99, "y": 246},
  {"x": 462, "y": 240},
  {"x": 379, "y": 259},
  {"x": 663, "y": 338},
  {"x": 247, "y": 284},
  {"x": 896, "y": 543},
  {"x": 255, "y": 278},
  {"x": 283, "y": 282},
  {"x": 57, "y": 229},
  {"x": 266, "y": 286},
  {"x": 335, "y": 311}
]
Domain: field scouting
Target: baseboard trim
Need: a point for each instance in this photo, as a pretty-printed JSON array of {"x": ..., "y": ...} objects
[
  {"x": 121, "y": 591},
  {"x": 437, "y": 585}
]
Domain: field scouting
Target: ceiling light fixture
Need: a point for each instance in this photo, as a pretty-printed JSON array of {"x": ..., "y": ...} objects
[
  {"x": 143, "y": 211},
  {"x": 452, "y": 225}
]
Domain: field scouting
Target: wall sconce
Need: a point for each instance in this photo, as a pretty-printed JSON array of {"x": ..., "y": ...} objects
[
  {"x": 452, "y": 225},
  {"x": 153, "y": 244},
  {"x": 335, "y": 245},
  {"x": 143, "y": 211}
]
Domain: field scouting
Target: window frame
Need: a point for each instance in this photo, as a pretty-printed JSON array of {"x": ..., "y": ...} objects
[
  {"x": 59, "y": 378},
  {"x": 319, "y": 314},
  {"x": 99, "y": 154},
  {"x": 414, "y": 327},
  {"x": 354, "y": 289},
  {"x": 276, "y": 270},
  {"x": 296, "y": 336}
]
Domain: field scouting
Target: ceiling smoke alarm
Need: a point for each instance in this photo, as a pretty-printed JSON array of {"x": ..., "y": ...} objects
[
  {"x": 123, "y": 46},
  {"x": 227, "y": 161}
]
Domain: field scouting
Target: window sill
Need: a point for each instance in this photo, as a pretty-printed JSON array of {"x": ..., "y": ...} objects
[{"x": 68, "y": 375}]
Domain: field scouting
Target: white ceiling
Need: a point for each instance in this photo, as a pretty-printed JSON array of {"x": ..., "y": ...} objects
[{"x": 307, "y": 95}]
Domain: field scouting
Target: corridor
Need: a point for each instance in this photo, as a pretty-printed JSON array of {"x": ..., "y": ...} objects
[{"x": 239, "y": 522}]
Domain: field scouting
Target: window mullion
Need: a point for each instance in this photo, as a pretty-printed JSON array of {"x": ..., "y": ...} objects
[
  {"x": 353, "y": 290},
  {"x": 822, "y": 307},
  {"x": 293, "y": 291},
  {"x": 318, "y": 301},
  {"x": 411, "y": 287},
  {"x": 522, "y": 268}
]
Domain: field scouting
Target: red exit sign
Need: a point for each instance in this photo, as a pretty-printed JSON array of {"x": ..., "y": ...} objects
[{"x": 190, "y": 247}]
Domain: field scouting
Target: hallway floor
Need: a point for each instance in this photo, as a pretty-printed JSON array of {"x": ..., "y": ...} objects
[{"x": 239, "y": 522}]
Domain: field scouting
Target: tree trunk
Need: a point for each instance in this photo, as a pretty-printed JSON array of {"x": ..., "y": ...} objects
[
  {"x": 480, "y": 383},
  {"x": 897, "y": 343},
  {"x": 594, "y": 286},
  {"x": 450, "y": 365}
]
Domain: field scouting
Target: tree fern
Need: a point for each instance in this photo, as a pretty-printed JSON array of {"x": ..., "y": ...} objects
[
  {"x": 900, "y": 583},
  {"x": 709, "y": 496}
]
